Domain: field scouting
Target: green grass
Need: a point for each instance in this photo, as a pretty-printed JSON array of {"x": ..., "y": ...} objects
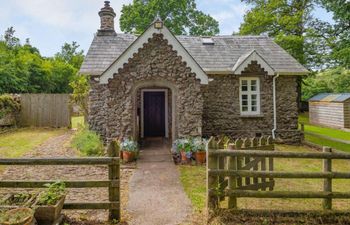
[
  {"x": 77, "y": 121},
  {"x": 193, "y": 180},
  {"x": 333, "y": 133},
  {"x": 18, "y": 142}
]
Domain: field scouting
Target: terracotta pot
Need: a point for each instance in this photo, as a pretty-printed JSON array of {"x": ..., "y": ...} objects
[
  {"x": 183, "y": 156},
  {"x": 25, "y": 221},
  {"x": 48, "y": 214},
  {"x": 201, "y": 157},
  {"x": 128, "y": 156}
]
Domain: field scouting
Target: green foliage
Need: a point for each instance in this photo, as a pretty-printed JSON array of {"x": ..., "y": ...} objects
[
  {"x": 335, "y": 80},
  {"x": 88, "y": 142},
  {"x": 284, "y": 20},
  {"x": 180, "y": 16},
  {"x": 52, "y": 194},
  {"x": 24, "y": 70},
  {"x": 80, "y": 86},
  {"x": 7, "y": 105}
]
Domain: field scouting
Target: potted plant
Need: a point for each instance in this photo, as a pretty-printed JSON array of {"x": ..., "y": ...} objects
[
  {"x": 199, "y": 147},
  {"x": 19, "y": 216},
  {"x": 130, "y": 150},
  {"x": 49, "y": 203},
  {"x": 184, "y": 146}
]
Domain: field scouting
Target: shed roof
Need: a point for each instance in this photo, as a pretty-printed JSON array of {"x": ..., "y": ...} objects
[
  {"x": 221, "y": 56},
  {"x": 329, "y": 97}
]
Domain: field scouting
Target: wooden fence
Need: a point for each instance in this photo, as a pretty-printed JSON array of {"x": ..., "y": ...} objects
[
  {"x": 234, "y": 173},
  {"x": 113, "y": 182},
  {"x": 45, "y": 110}
]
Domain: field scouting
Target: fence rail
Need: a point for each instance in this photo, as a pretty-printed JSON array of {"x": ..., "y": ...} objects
[
  {"x": 113, "y": 182},
  {"x": 234, "y": 174}
]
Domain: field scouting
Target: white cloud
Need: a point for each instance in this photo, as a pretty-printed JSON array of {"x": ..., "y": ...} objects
[{"x": 77, "y": 15}]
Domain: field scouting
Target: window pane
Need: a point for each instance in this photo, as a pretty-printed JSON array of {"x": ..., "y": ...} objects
[
  {"x": 244, "y": 97},
  {"x": 254, "y": 108},
  {"x": 254, "y": 97},
  {"x": 244, "y": 108},
  {"x": 254, "y": 103},
  {"x": 253, "y": 85},
  {"x": 244, "y": 85}
]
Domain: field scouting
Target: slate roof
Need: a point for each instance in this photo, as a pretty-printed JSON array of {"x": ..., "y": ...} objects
[
  {"x": 328, "y": 97},
  {"x": 220, "y": 57}
]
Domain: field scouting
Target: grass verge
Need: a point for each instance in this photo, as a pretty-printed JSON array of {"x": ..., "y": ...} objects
[
  {"x": 17, "y": 142},
  {"x": 77, "y": 121},
  {"x": 333, "y": 133}
]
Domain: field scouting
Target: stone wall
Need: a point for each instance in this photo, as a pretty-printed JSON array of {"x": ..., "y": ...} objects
[
  {"x": 155, "y": 65},
  {"x": 97, "y": 107},
  {"x": 221, "y": 112}
]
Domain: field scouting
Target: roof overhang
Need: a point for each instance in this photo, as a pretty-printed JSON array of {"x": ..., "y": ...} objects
[{"x": 138, "y": 43}]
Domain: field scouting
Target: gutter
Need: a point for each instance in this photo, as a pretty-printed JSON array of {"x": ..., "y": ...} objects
[{"x": 274, "y": 106}]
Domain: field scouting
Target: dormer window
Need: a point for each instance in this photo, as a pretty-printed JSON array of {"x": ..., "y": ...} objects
[{"x": 207, "y": 41}]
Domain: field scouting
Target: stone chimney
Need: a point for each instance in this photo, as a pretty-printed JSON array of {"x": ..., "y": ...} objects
[{"x": 107, "y": 16}]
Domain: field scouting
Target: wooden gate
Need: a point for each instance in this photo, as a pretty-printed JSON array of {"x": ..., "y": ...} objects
[{"x": 241, "y": 163}]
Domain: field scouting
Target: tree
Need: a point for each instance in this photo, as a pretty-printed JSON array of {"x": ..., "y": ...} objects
[
  {"x": 180, "y": 16},
  {"x": 10, "y": 38},
  {"x": 71, "y": 55},
  {"x": 284, "y": 20},
  {"x": 333, "y": 38},
  {"x": 80, "y": 86}
]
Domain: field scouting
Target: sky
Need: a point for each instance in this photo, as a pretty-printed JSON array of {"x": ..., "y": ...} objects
[{"x": 50, "y": 23}]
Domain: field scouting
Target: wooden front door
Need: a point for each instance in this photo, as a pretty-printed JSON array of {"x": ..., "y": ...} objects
[{"x": 154, "y": 114}]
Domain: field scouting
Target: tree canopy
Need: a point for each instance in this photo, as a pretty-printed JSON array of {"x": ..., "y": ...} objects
[
  {"x": 24, "y": 70},
  {"x": 181, "y": 17}
]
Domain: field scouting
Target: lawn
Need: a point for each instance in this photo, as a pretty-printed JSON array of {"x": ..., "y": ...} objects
[
  {"x": 193, "y": 180},
  {"x": 333, "y": 133},
  {"x": 77, "y": 121}
]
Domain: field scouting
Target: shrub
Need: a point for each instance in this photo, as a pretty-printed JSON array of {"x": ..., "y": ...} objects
[
  {"x": 7, "y": 105},
  {"x": 88, "y": 142}
]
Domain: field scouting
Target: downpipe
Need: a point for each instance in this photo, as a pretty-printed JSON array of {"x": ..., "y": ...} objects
[{"x": 274, "y": 106}]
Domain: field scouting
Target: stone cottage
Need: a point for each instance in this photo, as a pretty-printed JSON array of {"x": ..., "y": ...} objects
[{"x": 159, "y": 84}]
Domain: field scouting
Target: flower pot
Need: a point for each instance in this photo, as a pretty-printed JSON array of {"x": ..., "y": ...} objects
[
  {"x": 48, "y": 214},
  {"x": 201, "y": 157},
  {"x": 128, "y": 156},
  {"x": 28, "y": 217},
  {"x": 183, "y": 156}
]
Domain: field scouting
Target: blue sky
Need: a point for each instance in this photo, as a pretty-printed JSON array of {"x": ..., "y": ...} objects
[{"x": 50, "y": 23}]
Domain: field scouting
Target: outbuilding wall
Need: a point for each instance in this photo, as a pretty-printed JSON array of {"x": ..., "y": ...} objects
[{"x": 331, "y": 114}]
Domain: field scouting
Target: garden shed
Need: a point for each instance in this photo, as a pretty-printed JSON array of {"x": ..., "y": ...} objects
[{"x": 332, "y": 110}]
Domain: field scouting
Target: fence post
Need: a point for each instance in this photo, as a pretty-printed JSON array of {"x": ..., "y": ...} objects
[
  {"x": 212, "y": 181},
  {"x": 114, "y": 186},
  {"x": 327, "y": 183},
  {"x": 232, "y": 184}
]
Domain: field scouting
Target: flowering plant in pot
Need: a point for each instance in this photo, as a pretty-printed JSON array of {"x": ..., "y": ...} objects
[
  {"x": 50, "y": 202},
  {"x": 199, "y": 148},
  {"x": 130, "y": 149},
  {"x": 184, "y": 146}
]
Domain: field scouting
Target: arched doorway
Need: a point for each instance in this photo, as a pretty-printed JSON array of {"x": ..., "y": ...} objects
[{"x": 154, "y": 110}]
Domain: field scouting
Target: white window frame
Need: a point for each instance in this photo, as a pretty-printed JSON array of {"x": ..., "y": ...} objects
[{"x": 249, "y": 93}]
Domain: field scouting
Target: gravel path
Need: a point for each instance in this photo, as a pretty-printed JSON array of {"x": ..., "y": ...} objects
[
  {"x": 156, "y": 196},
  {"x": 59, "y": 147}
]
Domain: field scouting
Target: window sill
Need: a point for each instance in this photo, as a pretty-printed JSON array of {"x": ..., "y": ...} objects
[{"x": 252, "y": 116}]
